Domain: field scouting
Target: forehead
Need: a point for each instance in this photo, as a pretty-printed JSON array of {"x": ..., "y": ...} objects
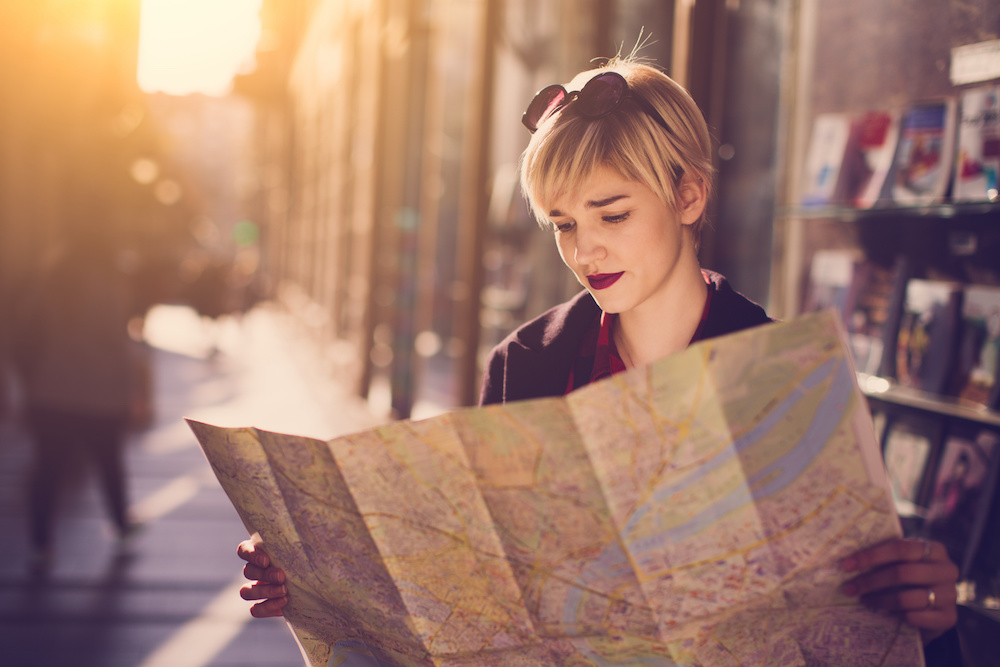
[{"x": 601, "y": 184}]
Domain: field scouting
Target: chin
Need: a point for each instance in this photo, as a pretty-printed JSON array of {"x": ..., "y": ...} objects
[{"x": 607, "y": 305}]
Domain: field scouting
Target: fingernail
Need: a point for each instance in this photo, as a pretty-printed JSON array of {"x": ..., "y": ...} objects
[
  {"x": 284, "y": 590},
  {"x": 849, "y": 564}
]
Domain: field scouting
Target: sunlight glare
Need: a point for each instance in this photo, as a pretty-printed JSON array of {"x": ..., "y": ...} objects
[{"x": 196, "y": 46}]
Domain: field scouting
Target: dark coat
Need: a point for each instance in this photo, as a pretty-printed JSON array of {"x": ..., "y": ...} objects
[{"x": 536, "y": 360}]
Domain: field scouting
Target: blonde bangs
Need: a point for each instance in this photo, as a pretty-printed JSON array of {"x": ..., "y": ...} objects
[
  {"x": 566, "y": 157},
  {"x": 559, "y": 165}
]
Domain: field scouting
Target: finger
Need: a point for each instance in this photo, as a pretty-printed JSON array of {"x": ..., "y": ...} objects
[
  {"x": 254, "y": 573},
  {"x": 932, "y": 623},
  {"x": 902, "y": 575},
  {"x": 252, "y": 553},
  {"x": 271, "y": 575},
  {"x": 263, "y": 591},
  {"x": 938, "y": 613},
  {"x": 268, "y": 608},
  {"x": 922, "y": 600},
  {"x": 894, "y": 551}
]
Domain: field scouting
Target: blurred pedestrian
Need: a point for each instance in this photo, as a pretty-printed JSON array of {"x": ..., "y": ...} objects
[{"x": 77, "y": 367}]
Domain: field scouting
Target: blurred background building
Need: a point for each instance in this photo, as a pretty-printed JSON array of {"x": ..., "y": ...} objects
[{"x": 362, "y": 171}]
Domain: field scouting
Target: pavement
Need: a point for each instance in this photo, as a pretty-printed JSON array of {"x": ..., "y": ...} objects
[{"x": 169, "y": 595}]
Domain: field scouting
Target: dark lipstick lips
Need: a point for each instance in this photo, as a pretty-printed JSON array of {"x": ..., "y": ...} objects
[{"x": 604, "y": 280}]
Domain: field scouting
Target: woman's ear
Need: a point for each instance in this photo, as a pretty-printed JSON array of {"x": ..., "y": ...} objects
[{"x": 693, "y": 199}]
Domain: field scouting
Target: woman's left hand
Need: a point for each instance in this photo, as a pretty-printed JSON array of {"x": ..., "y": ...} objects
[{"x": 914, "y": 578}]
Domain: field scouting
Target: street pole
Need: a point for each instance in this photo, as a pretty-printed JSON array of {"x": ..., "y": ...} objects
[{"x": 475, "y": 203}]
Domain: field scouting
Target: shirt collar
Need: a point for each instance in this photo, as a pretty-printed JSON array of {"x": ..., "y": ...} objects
[{"x": 607, "y": 360}]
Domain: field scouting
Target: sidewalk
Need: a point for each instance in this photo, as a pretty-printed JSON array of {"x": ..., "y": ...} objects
[{"x": 170, "y": 596}]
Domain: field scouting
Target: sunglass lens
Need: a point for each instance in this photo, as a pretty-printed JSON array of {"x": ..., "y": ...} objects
[
  {"x": 545, "y": 102},
  {"x": 601, "y": 95}
]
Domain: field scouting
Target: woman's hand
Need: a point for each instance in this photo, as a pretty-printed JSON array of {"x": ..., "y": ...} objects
[
  {"x": 268, "y": 581},
  {"x": 914, "y": 578}
]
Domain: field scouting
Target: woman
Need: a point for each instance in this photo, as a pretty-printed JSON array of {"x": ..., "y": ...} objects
[
  {"x": 619, "y": 168},
  {"x": 622, "y": 179}
]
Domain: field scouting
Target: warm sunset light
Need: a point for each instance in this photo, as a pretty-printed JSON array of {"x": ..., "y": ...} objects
[{"x": 195, "y": 46}]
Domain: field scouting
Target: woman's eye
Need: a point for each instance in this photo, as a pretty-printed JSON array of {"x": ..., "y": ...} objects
[
  {"x": 563, "y": 226},
  {"x": 621, "y": 217}
]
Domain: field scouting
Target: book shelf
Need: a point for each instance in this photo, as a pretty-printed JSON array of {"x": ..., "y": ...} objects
[
  {"x": 988, "y": 212},
  {"x": 959, "y": 241},
  {"x": 887, "y": 393},
  {"x": 948, "y": 240}
]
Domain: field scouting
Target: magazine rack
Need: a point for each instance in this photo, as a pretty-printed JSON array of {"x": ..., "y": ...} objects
[{"x": 928, "y": 434}]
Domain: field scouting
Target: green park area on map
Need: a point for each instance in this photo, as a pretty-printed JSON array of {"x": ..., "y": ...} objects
[{"x": 692, "y": 512}]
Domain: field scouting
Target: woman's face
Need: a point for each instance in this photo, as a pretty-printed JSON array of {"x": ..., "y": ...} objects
[{"x": 622, "y": 242}]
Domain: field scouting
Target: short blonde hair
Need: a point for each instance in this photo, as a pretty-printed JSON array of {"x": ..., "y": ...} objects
[{"x": 567, "y": 147}]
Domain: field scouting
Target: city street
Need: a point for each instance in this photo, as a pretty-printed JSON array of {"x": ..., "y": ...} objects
[{"x": 169, "y": 595}]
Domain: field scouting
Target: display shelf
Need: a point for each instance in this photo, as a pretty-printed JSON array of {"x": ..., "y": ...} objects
[
  {"x": 990, "y": 608},
  {"x": 942, "y": 211},
  {"x": 886, "y": 391}
]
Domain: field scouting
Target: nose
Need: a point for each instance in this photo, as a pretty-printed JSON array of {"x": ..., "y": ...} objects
[{"x": 589, "y": 245}]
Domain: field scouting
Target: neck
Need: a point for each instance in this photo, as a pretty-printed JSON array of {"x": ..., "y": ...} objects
[{"x": 664, "y": 326}]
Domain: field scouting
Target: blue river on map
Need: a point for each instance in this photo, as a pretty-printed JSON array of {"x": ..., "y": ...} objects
[{"x": 779, "y": 473}]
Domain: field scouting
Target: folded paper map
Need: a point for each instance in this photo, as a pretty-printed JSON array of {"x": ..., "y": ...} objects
[{"x": 692, "y": 512}]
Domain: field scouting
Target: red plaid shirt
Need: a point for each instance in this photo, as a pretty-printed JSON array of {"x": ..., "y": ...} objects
[{"x": 599, "y": 343}]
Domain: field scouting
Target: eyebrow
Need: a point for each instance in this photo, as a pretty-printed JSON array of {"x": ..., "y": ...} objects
[{"x": 593, "y": 203}]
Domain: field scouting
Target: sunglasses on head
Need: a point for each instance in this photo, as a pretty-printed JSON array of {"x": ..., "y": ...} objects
[{"x": 599, "y": 97}]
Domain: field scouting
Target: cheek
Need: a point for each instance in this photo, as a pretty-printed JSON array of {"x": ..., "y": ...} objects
[
  {"x": 666, "y": 240},
  {"x": 565, "y": 251}
]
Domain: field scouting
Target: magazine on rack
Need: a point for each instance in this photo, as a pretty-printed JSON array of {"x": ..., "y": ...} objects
[
  {"x": 927, "y": 342},
  {"x": 843, "y": 280},
  {"x": 875, "y": 136},
  {"x": 978, "y": 363},
  {"x": 831, "y": 276},
  {"x": 823, "y": 183},
  {"x": 910, "y": 443},
  {"x": 977, "y": 162},
  {"x": 964, "y": 485},
  {"x": 925, "y": 154}
]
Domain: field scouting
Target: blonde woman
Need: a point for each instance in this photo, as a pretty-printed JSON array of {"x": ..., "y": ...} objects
[{"x": 619, "y": 169}]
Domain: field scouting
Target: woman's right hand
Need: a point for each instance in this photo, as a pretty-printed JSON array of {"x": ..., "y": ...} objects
[{"x": 268, "y": 581}]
